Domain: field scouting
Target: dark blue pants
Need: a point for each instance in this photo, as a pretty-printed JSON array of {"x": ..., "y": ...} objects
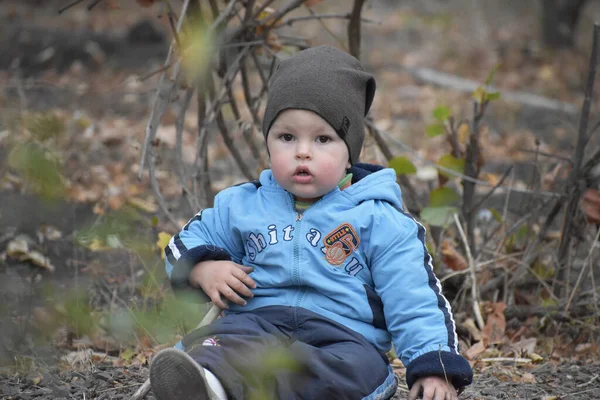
[{"x": 290, "y": 353}]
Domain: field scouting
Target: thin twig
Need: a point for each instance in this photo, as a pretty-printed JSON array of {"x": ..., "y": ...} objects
[
  {"x": 586, "y": 262},
  {"x": 322, "y": 23},
  {"x": 492, "y": 190},
  {"x": 248, "y": 96},
  {"x": 151, "y": 74},
  {"x": 507, "y": 359},
  {"x": 94, "y": 4},
  {"x": 474, "y": 295},
  {"x": 443, "y": 366},
  {"x": 156, "y": 190},
  {"x": 224, "y": 16},
  {"x": 292, "y": 20},
  {"x": 541, "y": 153},
  {"x": 65, "y": 8},
  {"x": 179, "y": 127},
  {"x": 170, "y": 15}
]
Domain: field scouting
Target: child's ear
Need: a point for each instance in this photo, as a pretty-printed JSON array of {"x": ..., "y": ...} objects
[{"x": 348, "y": 165}]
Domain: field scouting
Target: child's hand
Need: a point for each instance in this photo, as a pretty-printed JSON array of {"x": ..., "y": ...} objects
[
  {"x": 432, "y": 388},
  {"x": 223, "y": 279}
]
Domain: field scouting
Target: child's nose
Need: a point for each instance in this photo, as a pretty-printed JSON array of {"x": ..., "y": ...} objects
[{"x": 303, "y": 151}]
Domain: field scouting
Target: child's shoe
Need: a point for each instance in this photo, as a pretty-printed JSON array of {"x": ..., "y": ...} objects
[{"x": 174, "y": 375}]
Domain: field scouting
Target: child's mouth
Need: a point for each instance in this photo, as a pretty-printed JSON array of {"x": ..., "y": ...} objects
[{"x": 302, "y": 175}]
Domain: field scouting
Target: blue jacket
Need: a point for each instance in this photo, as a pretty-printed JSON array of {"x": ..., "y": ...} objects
[{"x": 354, "y": 257}]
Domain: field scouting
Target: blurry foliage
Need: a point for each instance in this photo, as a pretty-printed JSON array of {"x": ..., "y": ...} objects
[
  {"x": 32, "y": 155},
  {"x": 197, "y": 49},
  {"x": 116, "y": 229},
  {"x": 45, "y": 127},
  {"x": 402, "y": 165},
  {"x": 68, "y": 309},
  {"x": 39, "y": 168},
  {"x": 23, "y": 365},
  {"x": 160, "y": 322}
]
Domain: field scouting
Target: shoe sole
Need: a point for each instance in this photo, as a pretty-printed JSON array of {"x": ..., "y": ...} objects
[{"x": 174, "y": 375}]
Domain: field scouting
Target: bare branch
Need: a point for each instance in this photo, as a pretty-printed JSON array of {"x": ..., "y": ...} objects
[
  {"x": 160, "y": 106},
  {"x": 93, "y": 4},
  {"x": 575, "y": 175},
  {"x": 179, "y": 126},
  {"x": 354, "y": 29}
]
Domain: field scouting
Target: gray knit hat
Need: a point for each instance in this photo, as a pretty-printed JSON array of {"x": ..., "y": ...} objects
[{"x": 328, "y": 82}]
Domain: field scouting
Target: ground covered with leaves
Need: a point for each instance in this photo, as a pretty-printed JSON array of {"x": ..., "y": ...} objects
[{"x": 83, "y": 300}]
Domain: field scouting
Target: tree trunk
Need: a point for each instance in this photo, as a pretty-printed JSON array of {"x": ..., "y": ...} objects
[{"x": 559, "y": 22}]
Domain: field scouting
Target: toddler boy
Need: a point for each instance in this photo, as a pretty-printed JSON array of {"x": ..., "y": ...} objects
[{"x": 316, "y": 258}]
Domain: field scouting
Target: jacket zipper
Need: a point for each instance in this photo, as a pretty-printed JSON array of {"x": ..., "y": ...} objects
[{"x": 296, "y": 247}]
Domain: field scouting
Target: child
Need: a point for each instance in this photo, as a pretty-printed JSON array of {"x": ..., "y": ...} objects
[{"x": 317, "y": 258}]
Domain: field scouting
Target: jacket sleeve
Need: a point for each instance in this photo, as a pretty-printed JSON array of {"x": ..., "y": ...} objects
[
  {"x": 417, "y": 315},
  {"x": 207, "y": 236}
]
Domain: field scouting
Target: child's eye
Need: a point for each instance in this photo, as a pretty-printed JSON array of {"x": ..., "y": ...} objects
[
  {"x": 286, "y": 137},
  {"x": 324, "y": 139}
]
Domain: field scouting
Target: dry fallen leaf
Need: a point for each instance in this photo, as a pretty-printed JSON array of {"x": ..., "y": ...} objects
[
  {"x": 495, "y": 326},
  {"x": 475, "y": 350},
  {"x": 19, "y": 249},
  {"x": 452, "y": 258}
]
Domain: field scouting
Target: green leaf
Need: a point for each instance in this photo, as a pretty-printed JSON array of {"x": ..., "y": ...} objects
[
  {"x": 438, "y": 216},
  {"x": 402, "y": 166},
  {"x": 496, "y": 214},
  {"x": 441, "y": 113},
  {"x": 491, "y": 75},
  {"x": 479, "y": 94},
  {"x": 442, "y": 197},
  {"x": 435, "y": 130},
  {"x": 449, "y": 162},
  {"x": 492, "y": 96}
]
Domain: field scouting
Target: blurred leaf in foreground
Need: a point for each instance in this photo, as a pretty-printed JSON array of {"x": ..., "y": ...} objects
[{"x": 39, "y": 169}]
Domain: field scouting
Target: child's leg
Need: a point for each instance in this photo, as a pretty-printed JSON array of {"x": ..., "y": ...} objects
[
  {"x": 234, "y": 349},
  {"x": 320, "y": 359},
  {"x": 290, "y": 353},
  {"x": 341, "y": 363}
]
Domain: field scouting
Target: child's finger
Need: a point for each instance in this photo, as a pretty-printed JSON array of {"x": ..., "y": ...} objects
[
  {"x": 414, "y": 391},
  {"x": 429, "y": 393},
  {"x": 239, "y": 287},
  {"x": 216, "y": 300},
  {"x": 245, "y": 268},
  {"x": 244, "y": 277},
  {"x": 232, "y": 296}
]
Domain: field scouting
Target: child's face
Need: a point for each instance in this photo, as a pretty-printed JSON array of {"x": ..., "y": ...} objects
[{"x": 308, "y": 158}]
